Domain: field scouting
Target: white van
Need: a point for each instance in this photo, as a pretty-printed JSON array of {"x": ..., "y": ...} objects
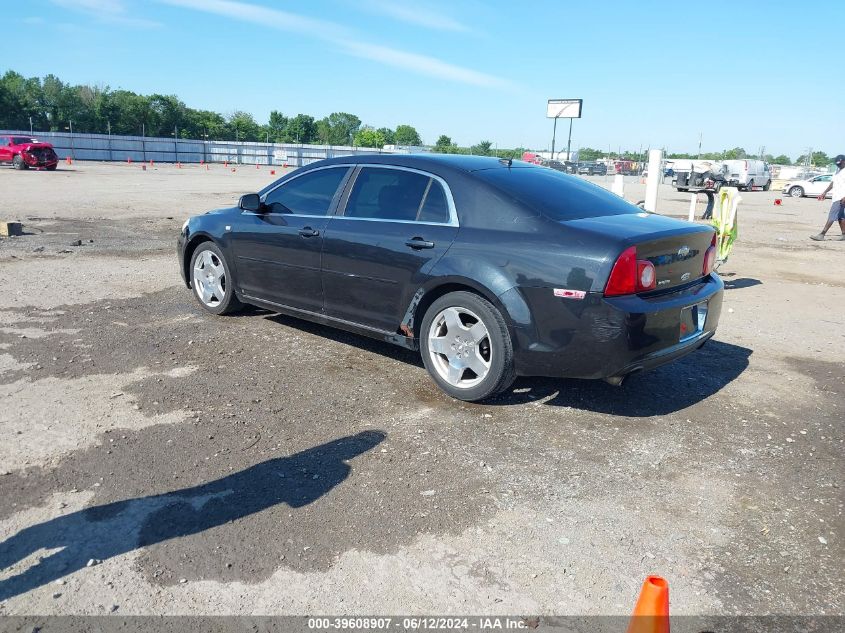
[{"x": 746, "y": 174}]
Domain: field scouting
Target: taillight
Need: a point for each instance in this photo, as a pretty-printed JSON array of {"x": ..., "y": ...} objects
[
  {"x": 709, "y": 257},
  {"x": 630, "y": 275}
]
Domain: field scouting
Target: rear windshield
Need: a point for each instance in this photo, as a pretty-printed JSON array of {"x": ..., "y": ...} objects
[{"x": 556, "y": 195}]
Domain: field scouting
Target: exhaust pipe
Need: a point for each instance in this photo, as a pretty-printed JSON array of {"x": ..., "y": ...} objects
[{"x": 618, "y": 381}]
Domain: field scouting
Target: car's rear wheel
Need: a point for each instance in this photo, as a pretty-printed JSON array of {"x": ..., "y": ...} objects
[
  {"x": 767, "y": 186},
  {"x": 17, "y": 163},
  {"x": 796, "y": 192},
  {"x": 212, "y": 280},
  {"x": 466, "y": 347},
  {"x": 51, "y": 167}
]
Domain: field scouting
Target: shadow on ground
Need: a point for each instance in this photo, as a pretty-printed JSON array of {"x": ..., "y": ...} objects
[
  {"x": 666, "y": 389},
  {"x": 742, "y": 282},
  {"x": 104, "y": 531},
  {"x": 660, "y": 391}
]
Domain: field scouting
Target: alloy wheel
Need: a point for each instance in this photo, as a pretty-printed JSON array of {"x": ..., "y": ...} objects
[
  {"x": 459, "y": 346},
  {"x": 209, "y": 279}
]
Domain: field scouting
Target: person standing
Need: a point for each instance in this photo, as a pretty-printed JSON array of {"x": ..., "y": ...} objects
[{"x": 837, "y": 209}]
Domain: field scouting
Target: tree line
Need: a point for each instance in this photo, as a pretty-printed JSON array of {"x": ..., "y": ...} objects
[{"x": 48, "y": 103}]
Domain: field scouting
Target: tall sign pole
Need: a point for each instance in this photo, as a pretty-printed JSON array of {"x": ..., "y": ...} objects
[{"x": 563, "y": 109}]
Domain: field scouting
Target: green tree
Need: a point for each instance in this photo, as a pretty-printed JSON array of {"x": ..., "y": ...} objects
[
  {"x": 817, "y": 159},
  {"x": 242, "y": 127},
  {"x": 483, "y": 148},
  {"x": 277, "y": 125},
  {"x": 369, "y": 137},
  {"x": 443, "y": 142},
  {"x": 339, "y": 128},
  {"x": 783, "y": 159},
  {"x": 734, "y": 154},
  {"x": 388, "y": 134},
  {"x": 589, "y": 154},
  {"x": 407, "y": 135},
  {"x": 301, "y": 129}
]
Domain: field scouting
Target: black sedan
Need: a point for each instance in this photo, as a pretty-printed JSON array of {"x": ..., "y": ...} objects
[{"x": 490, "y": 268}]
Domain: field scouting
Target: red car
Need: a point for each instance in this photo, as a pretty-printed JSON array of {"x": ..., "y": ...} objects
[{"x": 25, "y": 152}]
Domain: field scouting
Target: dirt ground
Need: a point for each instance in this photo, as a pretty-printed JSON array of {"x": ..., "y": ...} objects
[{"x": 155, "y": 459}]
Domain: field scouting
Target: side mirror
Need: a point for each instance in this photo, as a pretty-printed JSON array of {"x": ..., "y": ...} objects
[{"x": 250, "y": 202}]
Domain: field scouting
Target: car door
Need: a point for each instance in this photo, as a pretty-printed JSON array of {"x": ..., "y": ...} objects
[
  {"x": 5, "y": 154},
  {"x": 393, "y": 226},
  {"x": 277, "y": 250},
  {"x": 817, "y": 185}
]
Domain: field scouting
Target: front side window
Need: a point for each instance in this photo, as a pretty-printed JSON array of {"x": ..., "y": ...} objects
[
  {"x": 309, "y": 194},
  {"x": 396, "y": 194}
]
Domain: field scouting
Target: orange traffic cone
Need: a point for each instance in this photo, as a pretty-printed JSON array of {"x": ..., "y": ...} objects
[
  {"x": 128, "y": 160},
  {"x": 651, "y": 615},
  {"x": 272, "y": 172},
  {"x": 256, "y": 166},
  {"x": 69, "y": 161}
]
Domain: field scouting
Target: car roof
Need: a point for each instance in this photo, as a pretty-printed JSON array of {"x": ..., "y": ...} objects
[{"x": 461, "y": 162}]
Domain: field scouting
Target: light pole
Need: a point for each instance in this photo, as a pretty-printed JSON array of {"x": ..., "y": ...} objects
[
  {"x": 72, "y": 148},
  {"x": 144, "y": 141},
  {"x": 176, "y": 143},
  {"x": 108, "y": 127},
  {"x": 30, "y": 126}
]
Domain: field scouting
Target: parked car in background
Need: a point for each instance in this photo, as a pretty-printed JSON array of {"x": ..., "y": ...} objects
[
  {"x": 747, "y": 173},
  {"x": 533, "y": 158},
  {"x": 812, "y": 186},
  {"x": 565, "y": 166},
  {"x": 591, "y": 168},
  {"x": 24, "y": 152},
  {"x": 489, "y": 268}
]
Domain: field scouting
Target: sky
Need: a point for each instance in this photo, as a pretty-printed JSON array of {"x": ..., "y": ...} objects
[{"x": 651, "y": 74}]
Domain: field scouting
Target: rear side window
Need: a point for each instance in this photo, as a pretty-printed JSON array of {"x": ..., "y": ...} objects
[
  {"x": 309, "y": 194},
  {"x": 554, "y": 194},
  {"x": 395, "y": 194}
]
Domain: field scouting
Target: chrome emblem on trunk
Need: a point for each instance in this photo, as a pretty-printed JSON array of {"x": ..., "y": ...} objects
[
  {"x": 685, "y": 276},
  {"x": 683, "y": 251}
]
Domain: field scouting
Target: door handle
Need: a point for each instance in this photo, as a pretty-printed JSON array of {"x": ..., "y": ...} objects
[
  {"x": 308, "y": 232},
  {"x": 418, "y": 243}
]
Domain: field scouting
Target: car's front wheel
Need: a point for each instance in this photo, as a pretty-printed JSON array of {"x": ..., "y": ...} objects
[
  {"x": 466, "y": 347},
  {"x": 796, "y": 192},
  {"x": 17, "y": 163},
  {"x": 212, "y": 281}
]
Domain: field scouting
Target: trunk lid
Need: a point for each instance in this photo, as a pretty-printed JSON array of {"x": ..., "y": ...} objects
[{"x": 676, "y": 248}]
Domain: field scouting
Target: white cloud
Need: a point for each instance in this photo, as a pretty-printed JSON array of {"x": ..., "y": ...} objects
[
  {"x": 344, "y": 38},
  {"x": 416, "y": 14},
  {"x": 275, "y": 18},
  {"x": 421, "y": 64},
  {"x": 108, "y": 11}
]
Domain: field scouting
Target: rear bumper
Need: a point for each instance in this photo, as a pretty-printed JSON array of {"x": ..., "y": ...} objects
[{"x": 600, "y": 337}]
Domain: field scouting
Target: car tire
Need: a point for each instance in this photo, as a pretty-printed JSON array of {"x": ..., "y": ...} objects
[
  {"x": 17, "y": 163},
  {"x": 683, "y": 189},
  {"x": 52, "y": 168},
  {"x": 767, "y": 186},
  {"x": 796, "y": 192},
  {"x": 462, "y": 331},
  {"x": 212, "y": 280}
]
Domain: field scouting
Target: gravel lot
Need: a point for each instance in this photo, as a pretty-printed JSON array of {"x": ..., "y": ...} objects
[{"x": 158, "y": 460}]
